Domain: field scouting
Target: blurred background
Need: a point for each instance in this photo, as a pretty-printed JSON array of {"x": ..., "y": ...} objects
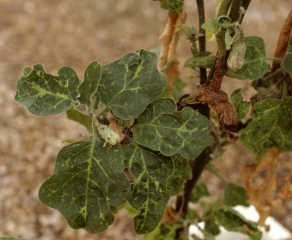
[{"x": 71, "y": 32}]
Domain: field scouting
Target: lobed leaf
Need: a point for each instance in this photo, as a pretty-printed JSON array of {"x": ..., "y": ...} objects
[
  {"x": 131, "y": 83},
  {"x": 150, "y": 194},
  {"x": 270, "y": 127},
  {"x": 162, "y": 128},
  {"x": 287, "y": 60},
  {"x": 44, "y": 94},
  {"x": 241, "y": 106},
  {"x": 87, "y": 180},
  {"x": 255, "y": 65},
  {"x": 231, "y": 220}
]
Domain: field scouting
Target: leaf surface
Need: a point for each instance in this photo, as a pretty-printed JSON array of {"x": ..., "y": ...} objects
[
  {"x": 201, "y": 60},
  {"x": 150, "y": 194},
  {"x": 162, "y": 128},
  {"x": 255, "y": 65},
  {"x": 287, "y": 60},
  {"x": 234, "y": 195},
  {"x": 270, "y": 127},
  {"x": 87, "y": 179},
  {"x": 81, "y": 118},
  {"x": 129, "y": 84},
  {"x": 44, "y": 94},
  {"x": 241, "y": 106}
]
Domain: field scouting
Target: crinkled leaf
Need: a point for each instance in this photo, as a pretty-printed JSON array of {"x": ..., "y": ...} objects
[
  {"x": 44, "y": 94},
  {"x": 255, "y": 65},
  {"x": 150, "y": 194},
  {"x": 212, "y": 26},
  {"x": 241, "y": 106},
  {"x": 81, "y": 118},
  {"x": 231, "y": 220},
  {"x": 199, "y": 191},
  {"x": 234, "y": 195},
  {"x": 87, "y": 179},
  {"x": 287, "y": 60},
  {"x": 270, "y": 127},
  {"x": 182, "y": 171},
  {"x": 162, "y": 128},
  {"x": 88, "y": 86},
  {"x": 131, "y": 83},
  {"x": 201, "y": 60}
]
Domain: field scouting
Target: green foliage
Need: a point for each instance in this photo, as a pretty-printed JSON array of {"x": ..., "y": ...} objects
[
  {"x": 199, "y": 191},
  {"x": 201, "y": 60},
  {"x": 288, "y": 58},
  {"x": 270, "y": 126},
  {"x": 241, "y": 106},
  {"x": 174, "y": 6},
  {"x": 234, "y": 195}
]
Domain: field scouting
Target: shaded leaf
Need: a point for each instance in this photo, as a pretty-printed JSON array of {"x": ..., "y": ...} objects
[
  {"x": 162, "y": 128},
  {"x": 87, "y": 180},
  {"x": 199, "y": 191},
  {"x": 129, "y": 84},
  {"x": 201, "y": 60},
  {"x": 182, "y": 171},
  {"x": 270, "y": 127},
  {"x": 81, "y": 118},
  {"x": 89, "y": 85},
  {"x": 211, "y": 226},
  {"x": 287, "y": 60},
  {"x": 234, "y": 195},
  {"x": 44, "y": 94},
  {"x": 241, "y": 106},
  {"x": 231, "y": 220},
  {"x": 255, "y": 65},
  {"x": 150, "y": 194}
]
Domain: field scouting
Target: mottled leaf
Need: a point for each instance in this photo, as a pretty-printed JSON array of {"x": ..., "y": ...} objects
[
  {"x": 200, "y": 190},
  {"x": 44, "y": 94},
  {"x": 241, "y": 106},
  {"x": 270, "y": 127},
  {"x": 287, "y": 60},
  {"x": 182, "y": 171},
  {"x": 87, "y": 180},
  {"x": 81, "y": 118},
  {"x": 201, "y": 60},
  {"x": 150, "y": 194},
  {"x": 231, "y": 220},
  {"x": 255, "y": 65},
  {"x": 131, "y": 83},
  {"x": 88, "y": 86},
  {"x": 162, "y": 128},
  {"x": 234, "y": 195}
]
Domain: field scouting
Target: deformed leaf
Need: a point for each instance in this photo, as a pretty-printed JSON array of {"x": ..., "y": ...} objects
[
  {"x": 131, "y": 83},
  {"x": 81, "y": 118},
  {"x": 231, "y": 220},
  {"x": 234, "y": 195},
  {"x": 182, "y": 171},
  {"x": 270, "y": 127},
  {"x": 87, "y": 180},
  {"x": 44, "y": 94},
  {"x": 162, "y": 128},
  {"x": 287, "y": 60},
  {"x": 201, "y": 60},
  {"x": 255, "y": 65},
  {"x": 150, "y": 193},
  {"x": 89, "y": 85},
  {"x": 241, "y": 106}
]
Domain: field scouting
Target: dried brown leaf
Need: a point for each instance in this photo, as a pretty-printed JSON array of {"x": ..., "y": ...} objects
[
  {"x": 169, "y": 39},
  {"x": 115, "y": 127},
  {"x": 247, "y": 92},
  {"x": 286, "y": 190}
]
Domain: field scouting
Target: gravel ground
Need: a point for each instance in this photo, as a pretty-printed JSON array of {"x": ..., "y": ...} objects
[{"x": 57, "y": 33}]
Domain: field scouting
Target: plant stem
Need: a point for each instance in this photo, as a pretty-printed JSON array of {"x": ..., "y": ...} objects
[
  {"x": 245, "y": 4},
  {"x": 235, "y": 10},
  {"x": 224, "y": 8}
]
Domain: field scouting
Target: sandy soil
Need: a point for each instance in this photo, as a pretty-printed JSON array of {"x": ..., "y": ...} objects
[{"x": 57, "y": 33}]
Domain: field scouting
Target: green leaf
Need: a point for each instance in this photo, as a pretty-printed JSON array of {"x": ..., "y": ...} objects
[
  {"x": 231, "y": 220},
  {"x": 241, "y": 106},
  {"x": 81, "y": 118},
  {"x": 88, "y": 86},
  {"x": 150, "y": 194},
  {"x": 201, "y": 60},
  {"x": 212, "y": 26},
  {"x": 174, "y": 6},
  {"x": 44, "y": 94},
  {"x": 255, "y": 65},
  {"x": 287, "y": 60},
  {"x": 87, "y": 179},
  {"x": 199, "y": 191},
  {"x": 234, "y": 195},
  {"x": 131, "y": 83},
  {"x": 270, "y": 127},
  {"x": 210, "y": 225},
  {"x": 182, "y": 171},
  {"x": 162, "y": 128}
]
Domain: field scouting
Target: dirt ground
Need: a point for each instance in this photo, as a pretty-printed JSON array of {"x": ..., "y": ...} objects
[{"x": 71, "y": 32}]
